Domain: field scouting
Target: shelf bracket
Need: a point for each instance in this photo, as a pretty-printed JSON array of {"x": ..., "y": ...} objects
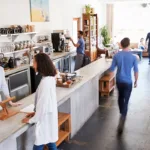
[
  {"x": 9, "y": 37},
  {"x": 14, "y": 37},
  {"x": 33, "y": 35}
]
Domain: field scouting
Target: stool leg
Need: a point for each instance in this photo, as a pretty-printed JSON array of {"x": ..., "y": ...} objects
[{"x": 68, "y": 128}]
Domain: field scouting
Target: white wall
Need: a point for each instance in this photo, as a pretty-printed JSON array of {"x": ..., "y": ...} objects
[{"x": 61, "y": 13}]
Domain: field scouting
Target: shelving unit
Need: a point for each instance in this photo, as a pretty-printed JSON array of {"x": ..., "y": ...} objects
[
  {"x": 18, "y": 51},
  {"x": 90, "y": 29},
  {"x": 13, "y": 37}
]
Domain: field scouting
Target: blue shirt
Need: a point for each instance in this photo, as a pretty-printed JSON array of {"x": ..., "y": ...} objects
[
  {"x": 81, "y": 48},
  {"x": 124, "y": 61}
]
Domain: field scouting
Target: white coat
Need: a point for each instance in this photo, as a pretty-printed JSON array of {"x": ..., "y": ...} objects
[{"x": 46, "y": 115}]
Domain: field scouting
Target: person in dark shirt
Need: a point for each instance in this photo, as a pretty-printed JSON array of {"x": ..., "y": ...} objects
[
  {"x": 148, "y": 39},
  {"x": 124, "y": 61},
  {"x": 80, "y": 50}
]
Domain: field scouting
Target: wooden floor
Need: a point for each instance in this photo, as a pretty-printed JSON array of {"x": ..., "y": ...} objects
[{"x": 99, "y": 133}]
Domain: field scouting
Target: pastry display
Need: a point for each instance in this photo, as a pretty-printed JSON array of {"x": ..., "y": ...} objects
[{"x": 67, "y": 80}]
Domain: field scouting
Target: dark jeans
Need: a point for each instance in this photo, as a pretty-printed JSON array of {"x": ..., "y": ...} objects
[
  {"x": 51, "y": 146},
  {"x": 124, "y": 90}
]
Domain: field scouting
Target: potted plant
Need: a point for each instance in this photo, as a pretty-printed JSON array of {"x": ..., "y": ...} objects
[
  {"x": 105, "y": 35},
  {"x": 88, "y": 9}
]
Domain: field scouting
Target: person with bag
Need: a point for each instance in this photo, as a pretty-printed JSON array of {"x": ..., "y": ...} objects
[
  {"x": 124, "y": 61},
  {"x": 86, "y": 60},
  {"x": 45, "y": 117}
]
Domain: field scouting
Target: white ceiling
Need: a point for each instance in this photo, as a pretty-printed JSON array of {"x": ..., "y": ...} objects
[{"x": 128, "y": 1}]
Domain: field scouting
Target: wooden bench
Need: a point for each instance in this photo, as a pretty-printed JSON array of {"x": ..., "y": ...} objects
[
  {"x": 64, "y": 127},
  {"x": 107, "y": 84}
]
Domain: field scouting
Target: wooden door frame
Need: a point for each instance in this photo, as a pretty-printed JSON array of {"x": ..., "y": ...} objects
[{"x": 79, "y": 22}]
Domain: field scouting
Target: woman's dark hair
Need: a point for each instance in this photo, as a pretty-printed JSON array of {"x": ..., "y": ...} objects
[
  {"x": 125, "y": 42},
  {"x": 44, "y": 65}
]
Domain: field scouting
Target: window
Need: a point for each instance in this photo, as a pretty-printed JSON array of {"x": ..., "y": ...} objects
[{"x": 131, "y": 20}]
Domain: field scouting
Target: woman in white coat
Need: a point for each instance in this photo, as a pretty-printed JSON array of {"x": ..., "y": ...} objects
[{"x": 45, "y": 117}]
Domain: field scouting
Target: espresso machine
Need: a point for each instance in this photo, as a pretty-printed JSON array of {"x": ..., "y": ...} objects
[
  {"x": 67, "y": 44},
  {"x": 58, "y": 40}
]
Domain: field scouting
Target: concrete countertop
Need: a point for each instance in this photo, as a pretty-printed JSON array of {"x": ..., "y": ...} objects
[
  {"x": 10, "y": 126},
  {"x": 58, "y": 55}
]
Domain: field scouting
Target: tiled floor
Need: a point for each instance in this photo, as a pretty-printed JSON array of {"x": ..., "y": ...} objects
[{"x": 99, "y": 133}]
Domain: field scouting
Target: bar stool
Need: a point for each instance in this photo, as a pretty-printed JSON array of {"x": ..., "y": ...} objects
[{"x": 106, "y": 85}]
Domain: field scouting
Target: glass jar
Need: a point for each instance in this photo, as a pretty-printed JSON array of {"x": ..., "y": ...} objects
[
  {"x": 21, "y": 46},
  {"x": 24, "y": 44},
  {"x": 13, "y": 47},
  {"x": 32, "y": 44},
  {"x": 28, "y": 44},
  {"x": 17, "y": 46}
]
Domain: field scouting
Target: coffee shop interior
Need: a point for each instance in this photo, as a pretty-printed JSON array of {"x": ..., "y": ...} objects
[{"x": 86, "y": 97}]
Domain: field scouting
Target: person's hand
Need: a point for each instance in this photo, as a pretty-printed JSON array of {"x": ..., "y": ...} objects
[
  {"x": 30, "y": 115},
  {"x": 25, "y": 120},
  {"x": 135, "y": 84},
  {"x": 71, "y": 39},
  {"x": 15, "y": 104}
]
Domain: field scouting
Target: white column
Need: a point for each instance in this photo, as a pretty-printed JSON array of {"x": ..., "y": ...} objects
[{"x": 110, "y": 18}]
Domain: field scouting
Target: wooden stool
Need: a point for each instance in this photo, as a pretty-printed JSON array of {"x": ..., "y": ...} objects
[
  {"x": 64, "y": 128},
  {"x": 107, "y": 84}
]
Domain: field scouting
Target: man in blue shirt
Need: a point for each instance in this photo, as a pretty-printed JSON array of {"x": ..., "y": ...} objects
[
  {"x": 80, "y": 50},
  {"x": 124, "y": 61}
]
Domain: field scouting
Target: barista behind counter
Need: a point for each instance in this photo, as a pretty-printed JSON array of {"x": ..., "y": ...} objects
[
  {"x": 80, "y": 50},
  {"x": 4, "y": 87}
]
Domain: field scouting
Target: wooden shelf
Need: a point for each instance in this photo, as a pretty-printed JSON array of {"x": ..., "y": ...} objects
[
  {"x": 92, "y": 32},
  {"x": 18, "y": 51},
  {"x": 13, "y": 37},
  {"x": 93, "y": 25},
  {"x": 93, "y": 36},
  {"x": 65, "y": 121},
  {"x": 62, "y": 117},
  {"x": 25, "y": 33},
  {"x": 62, "y": 136}
]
